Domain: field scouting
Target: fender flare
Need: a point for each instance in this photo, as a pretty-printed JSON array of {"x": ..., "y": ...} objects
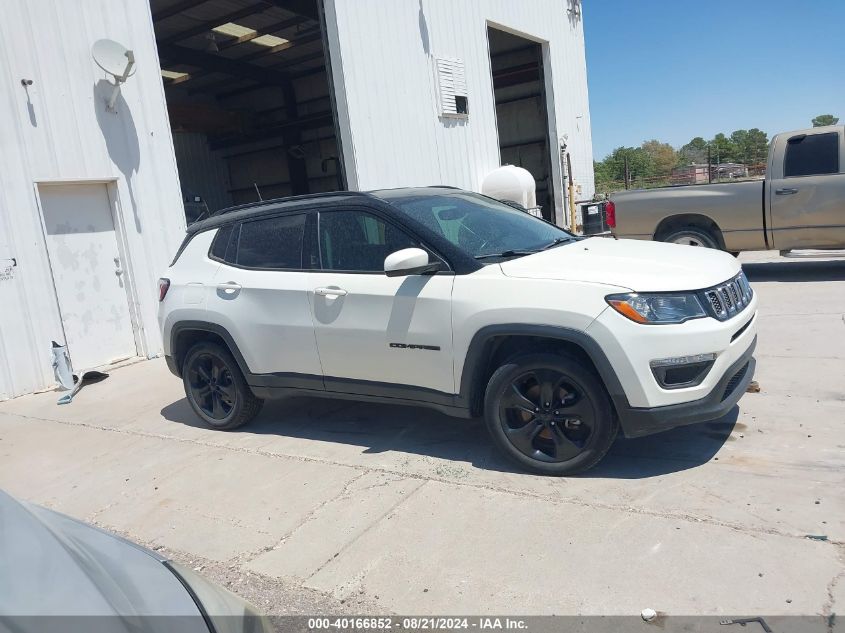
[
  {"x": 479, "y": 351},
  {"x": 204, "y": 326}
]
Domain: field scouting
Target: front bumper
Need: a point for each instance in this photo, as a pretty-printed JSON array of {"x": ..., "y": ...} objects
[{"x": 639, "y": 421}]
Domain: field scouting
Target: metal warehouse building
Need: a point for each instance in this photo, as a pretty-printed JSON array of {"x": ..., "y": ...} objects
[{"x": 230, "y": 100}]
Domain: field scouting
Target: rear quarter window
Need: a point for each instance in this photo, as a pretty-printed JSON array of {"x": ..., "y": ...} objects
[
  {"x": 220, "y": 243},
  {"x": 811, "y": 155}
]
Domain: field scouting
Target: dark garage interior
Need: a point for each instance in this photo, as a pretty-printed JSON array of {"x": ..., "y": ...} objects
[
  {"x": 249, "y": 100},
  {"x": 522, "y": 110}
]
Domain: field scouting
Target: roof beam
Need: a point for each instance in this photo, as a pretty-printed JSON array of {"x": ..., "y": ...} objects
[
  {"x": 206, "y": 26},
  {"x": 308, "y": 8},
  {"x": 267, "y": 30},
  {"x": 220, "y": 64},
  {"x": 307, "y": 38},
  {"x": 515, "y": 76},
  {"x": 245, "y": 89},
  {"x": 176, "y": 8},
  {"x": 213, "y": 87},
  {"x": 309, "y": 122}
]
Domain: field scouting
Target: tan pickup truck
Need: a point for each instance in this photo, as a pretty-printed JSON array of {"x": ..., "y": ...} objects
[{"x": 800, "y": 204}]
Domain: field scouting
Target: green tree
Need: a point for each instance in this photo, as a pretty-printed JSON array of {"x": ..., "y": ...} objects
[
  {"x": 640, "y": 163},
  {"x": 758, "y": 146},
  {"x": 662, "y": 155},
  {"x": 610, "y": 172},
  {"x": 739, "y": 140},
  {"x": 825, "y": 119},
  {"x": 750, "y": 147},
  {"x": 693, "y": 152},
  {"x": 722, "y": 149}
]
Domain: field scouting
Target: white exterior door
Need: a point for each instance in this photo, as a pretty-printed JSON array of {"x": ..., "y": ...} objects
[{"x": 87, "y": 273}]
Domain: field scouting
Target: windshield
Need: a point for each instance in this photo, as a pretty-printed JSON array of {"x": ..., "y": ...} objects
[{"x": 479, "y": 225}]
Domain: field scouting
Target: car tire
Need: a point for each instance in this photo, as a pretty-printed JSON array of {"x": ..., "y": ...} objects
[
  {"x": 567, "y": 434},
  {"x": 216, "y": 389},
  {"x": 691, "y": 236}
]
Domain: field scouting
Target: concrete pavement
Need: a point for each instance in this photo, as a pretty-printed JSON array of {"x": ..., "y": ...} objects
[{"x": 376, "y": 508}]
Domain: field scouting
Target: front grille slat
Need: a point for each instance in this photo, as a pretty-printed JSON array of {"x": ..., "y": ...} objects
[
  {"x": 730, "y": 298},
  {"x": 715, "y": 302},
  {"x": 735, "y": 294}
]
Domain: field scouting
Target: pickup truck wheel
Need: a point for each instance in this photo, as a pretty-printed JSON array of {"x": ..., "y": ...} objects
[
  {"x": 691, "y": 236},
  {"x": 549, "y": 414},
  {"x": 216, "y": 389}
]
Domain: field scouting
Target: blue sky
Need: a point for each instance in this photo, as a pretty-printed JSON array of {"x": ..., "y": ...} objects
[{"x": 672, "y": 70}]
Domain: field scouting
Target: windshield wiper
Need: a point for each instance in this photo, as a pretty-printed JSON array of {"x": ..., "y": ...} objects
[
  {"x": 558, "y": 241},
  {"x": 522, "y": 252},
  {"x": 508, "y": 253}
]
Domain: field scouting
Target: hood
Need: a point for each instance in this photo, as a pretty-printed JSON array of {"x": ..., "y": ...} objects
[
  {"x": 52, "y": 565},
  {"x": 635, "y": 264}
]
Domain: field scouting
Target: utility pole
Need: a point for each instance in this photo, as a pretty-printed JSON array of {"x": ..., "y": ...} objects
[
  {"x": 709, "y": 167},
  {"x": 627, "y": 174}
]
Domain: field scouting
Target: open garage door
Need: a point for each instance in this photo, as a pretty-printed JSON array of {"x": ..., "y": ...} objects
[
  {"x": 249, "y": 97},
  {"x": 522, "y": 110}
]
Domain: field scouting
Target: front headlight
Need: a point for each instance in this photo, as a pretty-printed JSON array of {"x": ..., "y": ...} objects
[{"x": 657, "y": 308}]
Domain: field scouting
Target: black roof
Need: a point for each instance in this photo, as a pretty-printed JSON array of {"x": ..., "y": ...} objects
[
  {"x": 412, "y": 192},
  {"x": 233, "y": 214}
]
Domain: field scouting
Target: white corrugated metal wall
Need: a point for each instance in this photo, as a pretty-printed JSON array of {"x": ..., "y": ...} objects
[
  {"x": 381, "y": 52},
  {"x": 58, "y": 129}
]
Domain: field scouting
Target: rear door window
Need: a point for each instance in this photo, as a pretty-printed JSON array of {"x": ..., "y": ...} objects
[
  {"x": 272, "y": 243},
  {"x": 812, "y": 155}
]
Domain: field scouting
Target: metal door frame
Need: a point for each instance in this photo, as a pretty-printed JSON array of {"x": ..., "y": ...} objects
[{"x": 557, "y": 194}]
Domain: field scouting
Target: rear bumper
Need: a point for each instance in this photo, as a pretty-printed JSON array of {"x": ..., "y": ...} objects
[{"x": 636, "y": 421}]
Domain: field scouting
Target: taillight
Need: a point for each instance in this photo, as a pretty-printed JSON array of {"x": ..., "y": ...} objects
[
  {"x": 163, "y": 287},
  {"x": 610, "y": 214}
]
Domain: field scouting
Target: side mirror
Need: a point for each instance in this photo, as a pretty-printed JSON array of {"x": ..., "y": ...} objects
[{"x": 409, "y": 261}]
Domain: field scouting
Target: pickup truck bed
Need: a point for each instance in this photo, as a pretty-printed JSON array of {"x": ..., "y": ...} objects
[
  {"x": 800, "y": 204},
  {"x": 739, "y": 221}
]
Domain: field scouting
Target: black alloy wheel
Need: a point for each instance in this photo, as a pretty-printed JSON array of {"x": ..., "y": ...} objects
[
  {"x": 212, "y": 387},
  {"x": 216, "y": 389},
  {"x": 549, "y": 413},
  {"x": 545, "y": 416}
]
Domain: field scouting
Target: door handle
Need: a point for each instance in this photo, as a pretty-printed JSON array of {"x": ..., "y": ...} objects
[
  {"x": 785, "y": 192},
  {"x": 330, "y": 292},
  {"x": 229, "y": 286}
]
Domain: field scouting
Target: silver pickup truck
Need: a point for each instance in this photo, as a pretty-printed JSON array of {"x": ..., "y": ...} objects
[{"x": 800, "y": 204}]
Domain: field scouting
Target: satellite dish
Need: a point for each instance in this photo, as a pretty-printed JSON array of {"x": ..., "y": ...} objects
[{"x": 116, "y": 60}]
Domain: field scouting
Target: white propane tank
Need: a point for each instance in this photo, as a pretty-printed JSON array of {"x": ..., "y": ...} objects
[{"x": 513, "y": 183}]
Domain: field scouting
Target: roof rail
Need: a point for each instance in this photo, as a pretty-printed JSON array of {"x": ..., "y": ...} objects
[{"x": 306, "y": 196}]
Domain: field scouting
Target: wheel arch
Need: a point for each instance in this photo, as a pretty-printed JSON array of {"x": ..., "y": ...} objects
[
  {"x": 186, "y": 334},
  {"x": 699, "y": 220},
  {"x": 491, "y": 345}
]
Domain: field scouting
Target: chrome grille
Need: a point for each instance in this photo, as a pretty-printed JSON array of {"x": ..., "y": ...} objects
[
  {"x": 726, "y": 294},
  {"x": 730, "y": 298},
  {"x": 715, "y": 302}
]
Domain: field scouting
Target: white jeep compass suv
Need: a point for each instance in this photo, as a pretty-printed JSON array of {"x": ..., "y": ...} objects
[{"x": 449, "y": 299}]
